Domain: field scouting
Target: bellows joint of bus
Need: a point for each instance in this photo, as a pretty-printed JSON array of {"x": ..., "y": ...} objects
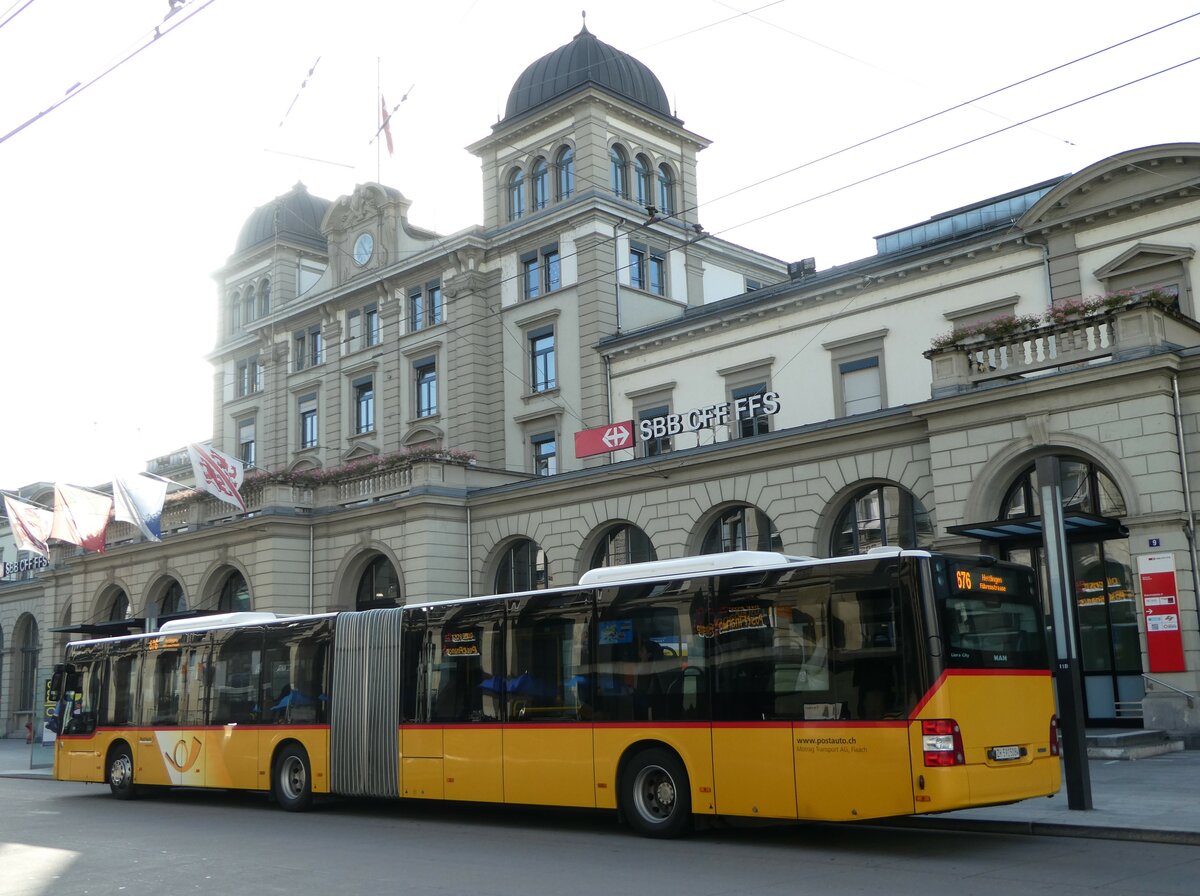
[{"x": 730, "y": 561}]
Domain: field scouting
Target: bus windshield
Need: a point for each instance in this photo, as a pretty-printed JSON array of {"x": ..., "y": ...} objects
[{"x": 990, "y": 615}]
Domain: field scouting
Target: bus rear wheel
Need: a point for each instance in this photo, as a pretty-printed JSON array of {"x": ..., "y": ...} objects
[
  {"x": 291, "y": 780},
  {"x": 656, "y": 797},
  {"x": 120, "y": 773}
]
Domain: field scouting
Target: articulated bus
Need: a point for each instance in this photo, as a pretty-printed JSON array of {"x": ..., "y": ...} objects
[{"x": 740, "y": 684}]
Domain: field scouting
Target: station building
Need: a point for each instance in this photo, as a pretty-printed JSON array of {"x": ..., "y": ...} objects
[{"x": 589, "y": 378}]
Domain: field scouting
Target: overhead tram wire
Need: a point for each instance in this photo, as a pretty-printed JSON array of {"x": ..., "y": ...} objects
[
  {"x": 24, "y": 7},
  {"x": 76, "y": 89}
]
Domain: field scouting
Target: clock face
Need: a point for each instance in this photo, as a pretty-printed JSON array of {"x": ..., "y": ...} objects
[{"x": 363, "y": 247}]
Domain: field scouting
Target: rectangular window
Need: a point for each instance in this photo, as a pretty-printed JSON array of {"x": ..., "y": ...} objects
[
  {"x": 542, "y": 361},
  {"x": 551, "y": 269},
  {"x": 309, "y": 348},
  {"x": 425, "y": 305},
  {"x": 657, "y": 444},
  {"x": 530, "y": 277},
  {"x": 425, "y": 376},
  {"x": 308, "y": 420},
  {"x": 541, "y": 272},
  {"x": 362, "y": 326},
  {"x": 545, "y": 454},
  {"x": 658, "y": 274},
  {"x": 244, "y": 381},
  {"x": 364, "y": 405},
  {"x": 749, "y": 423},
  {"x": 860, "y": 385},
  {"x": 637, "y": 267},
  {"x": 245, "y": 430}
]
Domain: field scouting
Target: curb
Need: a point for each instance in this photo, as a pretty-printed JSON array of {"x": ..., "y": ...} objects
[{"x": 1049, "y": 829}]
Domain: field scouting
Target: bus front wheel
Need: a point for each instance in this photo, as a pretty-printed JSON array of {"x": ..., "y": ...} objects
[
  {"x": 291, "y": 781},
  {"x": 656, "y": 798},
  {"x": 120, "y": 773}
]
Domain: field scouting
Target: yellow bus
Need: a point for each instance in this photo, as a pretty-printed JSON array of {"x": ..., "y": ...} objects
[{"x": 739, "y": 684}]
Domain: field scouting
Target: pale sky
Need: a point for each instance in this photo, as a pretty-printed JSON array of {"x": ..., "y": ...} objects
[{"x": 119, "y": 205}]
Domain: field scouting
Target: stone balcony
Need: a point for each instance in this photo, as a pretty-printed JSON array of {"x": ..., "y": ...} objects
[{"x": 1137, "y": 329}]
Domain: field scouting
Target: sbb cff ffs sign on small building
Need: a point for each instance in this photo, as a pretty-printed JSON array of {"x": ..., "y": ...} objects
[{"x": 615, "y": 436}]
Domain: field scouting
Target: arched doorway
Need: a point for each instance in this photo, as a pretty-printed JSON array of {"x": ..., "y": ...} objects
[
  {"x": 523, "y": 567},
  {"x": 1103, "y": 598},
  {"x": 235, "y": 594},
  {"x": 378, "y": 586},
  {"x": 741, "y": 528},
  {"x": 881, "y": 515},
  {"x": 621, "y": 544}
]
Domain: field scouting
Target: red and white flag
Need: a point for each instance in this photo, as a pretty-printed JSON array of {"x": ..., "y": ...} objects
[
  {"x": 81, "y": 516},
  {"x": 387, "y": 122},
  {"x": 30, "y": 525},
  {"x": 218, "y": 474}
]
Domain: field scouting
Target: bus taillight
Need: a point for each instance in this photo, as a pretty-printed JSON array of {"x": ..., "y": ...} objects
[
  {"x": 941, "y": 740},
  {"x": 1055, "y": 743}
]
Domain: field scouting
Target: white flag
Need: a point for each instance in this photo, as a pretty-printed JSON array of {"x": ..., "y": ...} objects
[
  {"x": 30, "y": 525},
  {"x": 218, "y": 474},
  {"x": 139, "y": 500}
]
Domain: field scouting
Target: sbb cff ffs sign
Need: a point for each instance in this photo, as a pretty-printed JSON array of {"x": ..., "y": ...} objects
[
  {"x": 602, "y": 439},
  {"x": 760, "y": 404}
]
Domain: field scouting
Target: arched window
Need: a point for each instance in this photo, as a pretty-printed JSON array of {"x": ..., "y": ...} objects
[
  {"x": 264, "y": 298},
  {"x": 622, "y": 544},
  {"x": 25, "y": 641},
  {"x": 172, "y": 602},
  {"x": 516, "y": 195},
  {"x": 523, "y": 567},
  {"x": 566, "y": 172},
  {"x": 742, "y": 528},
  {"x": 666, "y": 190},
  {"x": 641, "y": 178},
  {"x": 118, "y": 607},
  {"x": 235, "y": 595},
  {"x": 881, "y": 515},
  {"x": 249, "y": 305},
  {"x": 620, "y": 171},
  {"x": 541, "y": 184},
  {"x": 379, "y": 586},
  {"x": 1085, "y": 489}
]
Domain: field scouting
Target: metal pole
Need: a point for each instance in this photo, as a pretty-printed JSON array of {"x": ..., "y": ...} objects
[{"x": 1067, "y": 679}]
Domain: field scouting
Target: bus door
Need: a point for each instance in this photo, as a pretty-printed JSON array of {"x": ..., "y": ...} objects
[
  {"x": 170, "y": 743},
  {"x": 463, "y": 699},
  {"x": 420, "y": 737},
  {"x": 852, "y": 695},
  {"x": 749, "y": 629},
  {"x": 78, "y": 712},
  {"x": 548, "y": 757},
  {"x": 232, "y": 750}
]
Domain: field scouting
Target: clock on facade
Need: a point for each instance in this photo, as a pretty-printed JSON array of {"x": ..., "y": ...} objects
[{"x": 363, "y": 247}]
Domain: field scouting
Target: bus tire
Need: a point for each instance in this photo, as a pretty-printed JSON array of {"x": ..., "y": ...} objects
[
  {"x": 656, "y": 798},
  {"x": 291, "y": 779},
  {"x": 120, "y": 772}
]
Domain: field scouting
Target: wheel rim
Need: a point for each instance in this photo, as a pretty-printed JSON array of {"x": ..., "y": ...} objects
[
  {"x": 121, "y": 773},
  {"x": 292, "y": 778},
  {"x": 654, "y": 794}
]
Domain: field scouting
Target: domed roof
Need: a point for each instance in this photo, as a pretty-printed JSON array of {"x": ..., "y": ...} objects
[
  {"x": 586, "y": 60},
  {"x": 295, "y": 216}
]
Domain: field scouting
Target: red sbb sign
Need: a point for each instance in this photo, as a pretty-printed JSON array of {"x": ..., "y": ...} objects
[{"x": 603, "y": 439}]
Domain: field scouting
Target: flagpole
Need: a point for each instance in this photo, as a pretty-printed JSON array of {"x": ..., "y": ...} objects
[{"x": 379, "y": 113}]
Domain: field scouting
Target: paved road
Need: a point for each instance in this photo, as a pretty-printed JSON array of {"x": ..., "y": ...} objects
[{"x": 65, "y": 839}]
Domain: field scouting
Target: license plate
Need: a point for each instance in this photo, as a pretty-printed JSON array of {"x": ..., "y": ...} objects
[{"x": 1002, "y": 753}]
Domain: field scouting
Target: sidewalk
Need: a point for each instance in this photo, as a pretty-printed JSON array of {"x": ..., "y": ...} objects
[{"x": 1154, "y": 800}]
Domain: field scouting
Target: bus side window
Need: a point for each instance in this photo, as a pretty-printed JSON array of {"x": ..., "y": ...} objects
[{"x": 121, "y": 696}]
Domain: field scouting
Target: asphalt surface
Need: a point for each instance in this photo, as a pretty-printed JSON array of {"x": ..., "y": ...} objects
[{"x": 1156, "y": 799}]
